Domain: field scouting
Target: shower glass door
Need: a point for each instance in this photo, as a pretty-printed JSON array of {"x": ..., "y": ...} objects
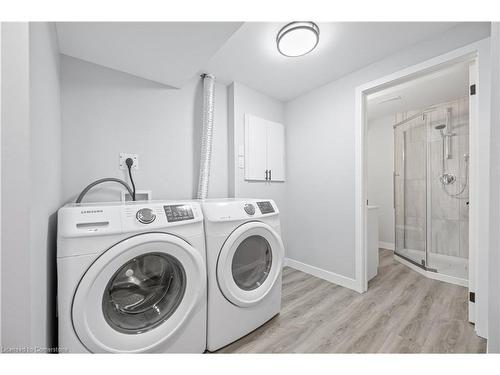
[{"x": 410, "y": 189}]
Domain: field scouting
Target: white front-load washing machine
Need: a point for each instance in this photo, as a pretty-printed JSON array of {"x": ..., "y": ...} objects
[
  {"x": 244, "y": 263},
  {"x": 132, "y": 277}
]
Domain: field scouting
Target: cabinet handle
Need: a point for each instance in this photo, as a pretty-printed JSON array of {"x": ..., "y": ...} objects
[
  {"x": 266, "y": 174},
  {"x": 269, "y": 175}
]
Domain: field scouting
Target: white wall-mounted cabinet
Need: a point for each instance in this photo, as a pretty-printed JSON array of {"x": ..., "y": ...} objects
[{"x": 264, "y": 149}]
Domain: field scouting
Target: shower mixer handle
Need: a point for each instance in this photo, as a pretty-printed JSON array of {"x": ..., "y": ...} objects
[{"x": 447, "y": 178}]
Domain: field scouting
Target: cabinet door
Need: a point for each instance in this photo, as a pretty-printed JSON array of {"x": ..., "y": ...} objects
[
  {"x": 276, "y": 150},
  {"x": 255, "y": 148}
]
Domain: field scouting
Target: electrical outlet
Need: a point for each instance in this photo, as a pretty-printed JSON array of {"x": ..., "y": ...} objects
[{"x": 124, "y": 157}]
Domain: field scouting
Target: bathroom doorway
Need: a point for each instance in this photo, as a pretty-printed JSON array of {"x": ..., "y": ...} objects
[
  {"x": 418, "y": 172},
  {"x": 476, "y": 56}
]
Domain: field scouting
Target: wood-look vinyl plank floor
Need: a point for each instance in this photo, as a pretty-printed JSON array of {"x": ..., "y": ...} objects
[{"x": 402, "y": 312}]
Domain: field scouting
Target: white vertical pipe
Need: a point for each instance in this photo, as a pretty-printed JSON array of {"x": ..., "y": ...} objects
[{"x": 207, "y": 134}]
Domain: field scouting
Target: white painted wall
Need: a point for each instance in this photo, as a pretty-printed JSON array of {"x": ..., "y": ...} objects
[
  {"x": 45, "y": 163},
  {"x": 494, "y": 264},
  {"x": 320, "y": 146},
  {"x": 242, "y": 100},
  {"x": 16, "y": 281},
  {"x": 380, "y": 165},
  {"x": 31, "y": 182},
  {"x": 105, "y": 112}
]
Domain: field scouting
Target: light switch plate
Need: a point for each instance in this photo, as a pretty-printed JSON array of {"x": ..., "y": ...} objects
[{"x": 124, "y": 156}]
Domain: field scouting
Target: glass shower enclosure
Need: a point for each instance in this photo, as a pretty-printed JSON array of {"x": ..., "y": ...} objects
[{"x": 431, "y": 204}]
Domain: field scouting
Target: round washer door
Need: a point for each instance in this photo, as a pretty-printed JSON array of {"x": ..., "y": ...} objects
[
  {"x": 249, "y": 263},
  {"x": 138, "y": 294}
]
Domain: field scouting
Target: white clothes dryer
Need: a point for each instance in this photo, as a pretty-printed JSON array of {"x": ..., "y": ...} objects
[
  {"x": 132, "y": 277},
  {"x": 244, "y": 263}
]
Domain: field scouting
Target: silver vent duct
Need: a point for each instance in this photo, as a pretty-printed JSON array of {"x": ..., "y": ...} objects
[{"x": 207, "y": 134}]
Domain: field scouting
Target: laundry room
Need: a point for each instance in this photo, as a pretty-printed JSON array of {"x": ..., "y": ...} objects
[{"x": 236, "y": 187}]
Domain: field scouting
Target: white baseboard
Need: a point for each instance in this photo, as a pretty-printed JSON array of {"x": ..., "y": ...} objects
[
  {"x": 386, "y": 245},
  {"x": 332, "y": 277}
]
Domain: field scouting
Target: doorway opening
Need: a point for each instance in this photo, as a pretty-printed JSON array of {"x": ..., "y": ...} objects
[
  {"x": 418, "y": 170},
  {"x": 478, "y": 54}
]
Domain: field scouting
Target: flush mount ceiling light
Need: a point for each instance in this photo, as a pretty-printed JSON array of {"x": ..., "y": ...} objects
[{"x": 297, "y": 38}]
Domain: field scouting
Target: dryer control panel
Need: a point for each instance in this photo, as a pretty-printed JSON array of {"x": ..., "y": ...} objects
[
  {"x": 178, "y": 212},
  {"x": 77, "y": 220},
  {"x": 232, "y": 209},
  {"x": 265, "y": 207}
]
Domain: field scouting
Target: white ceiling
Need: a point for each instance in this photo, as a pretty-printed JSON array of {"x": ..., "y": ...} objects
[
  {"x": 172, "y": 53},
  {"x": 167, "y": 52},
  {"x": 250, "y": 56},
  {"x": 438, "y": 87}
]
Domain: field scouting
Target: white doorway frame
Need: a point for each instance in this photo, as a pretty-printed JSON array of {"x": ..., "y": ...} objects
[
  {"x": 0, "y": 185},
  {"x": 479, "y": 170}
]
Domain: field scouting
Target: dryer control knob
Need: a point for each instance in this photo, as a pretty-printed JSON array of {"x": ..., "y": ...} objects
[
  {"x": 249, "y": 209},
  {"x": 145, "y": 215}
]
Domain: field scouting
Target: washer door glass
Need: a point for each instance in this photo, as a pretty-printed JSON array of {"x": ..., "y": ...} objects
[
  {"x": 252, "y": 262},
  {"x": 144, "y": 293}
]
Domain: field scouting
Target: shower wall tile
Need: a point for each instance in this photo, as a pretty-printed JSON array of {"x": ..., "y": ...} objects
[
  {"x": 464, "y": 239},
  {"x": 464, "y": 207},
  {"x": 400, "y": 238},
  {"x": 417, "y": 131},
  {"x": 442, "y": 205},
  {"x": 463, "y": 149},
  {"x": 415, "y": 202},
  {"x": 435, "y": 159},
  {"x": 400, "y": 219},
  {"x": 398, "y": 152},
  {"x": 445, "y": 237},
  {"x": 461, "y": 124},
  {"x": 415, "y": 160},
  {"x": 415, "y": 233}
]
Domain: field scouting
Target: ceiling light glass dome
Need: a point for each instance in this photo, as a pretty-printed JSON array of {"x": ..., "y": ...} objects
[{"x": 298, "y": 38}]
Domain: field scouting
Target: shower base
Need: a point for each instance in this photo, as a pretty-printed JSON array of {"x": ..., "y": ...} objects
[{"x": 450, "y": 269}]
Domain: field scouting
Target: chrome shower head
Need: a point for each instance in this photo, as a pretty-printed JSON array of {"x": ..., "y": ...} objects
[{"x": 440, "y": 127}]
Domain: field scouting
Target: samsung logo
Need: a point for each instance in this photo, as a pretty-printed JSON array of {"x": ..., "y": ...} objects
[{"x": 91, "y": 211}]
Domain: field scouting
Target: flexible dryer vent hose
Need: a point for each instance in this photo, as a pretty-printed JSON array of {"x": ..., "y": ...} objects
[{"x": 207, "y": 134}]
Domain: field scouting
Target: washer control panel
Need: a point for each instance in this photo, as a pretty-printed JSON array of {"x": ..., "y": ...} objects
[
  {"x": 265, "y": 207},
  {"x": 178, "y": 212},
  {"x": 145, "y": 215},
  {"x": 249, "y": 209}
]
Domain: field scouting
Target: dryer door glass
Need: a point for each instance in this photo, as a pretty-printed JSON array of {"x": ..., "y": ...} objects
[
  {"x": 144, "y": 293},
  {"x": 252, "y": 262}
]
